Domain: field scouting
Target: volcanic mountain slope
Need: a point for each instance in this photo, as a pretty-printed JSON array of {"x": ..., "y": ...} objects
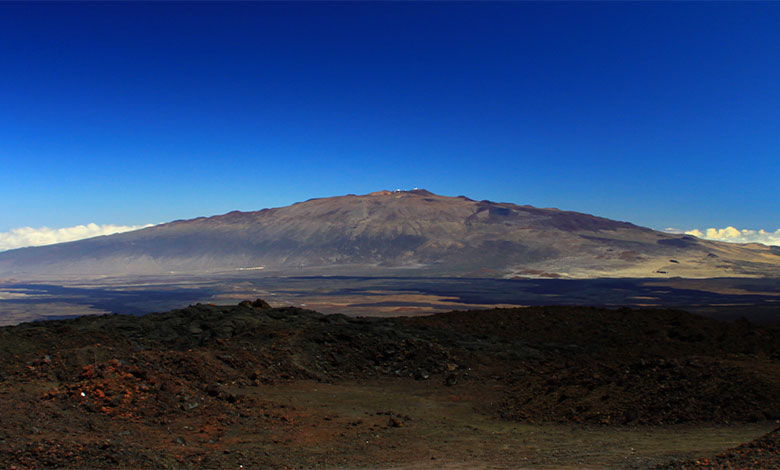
[{"x": 402, "y": 232}]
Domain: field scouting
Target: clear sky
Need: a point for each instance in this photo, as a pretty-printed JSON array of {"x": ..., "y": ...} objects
[{"x": 662, "y": 114}]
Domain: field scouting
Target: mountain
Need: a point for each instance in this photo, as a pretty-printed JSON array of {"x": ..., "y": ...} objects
[{"x": 409, "y": 233}]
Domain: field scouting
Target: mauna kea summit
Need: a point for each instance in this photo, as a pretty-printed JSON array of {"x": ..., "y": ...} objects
[{"x": 396, "y": 233}]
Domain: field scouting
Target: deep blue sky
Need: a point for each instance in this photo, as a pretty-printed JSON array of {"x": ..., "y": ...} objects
[{"x": 663, "y": 114}]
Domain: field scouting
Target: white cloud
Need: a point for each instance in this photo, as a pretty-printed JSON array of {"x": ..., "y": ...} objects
[
  {"x": 28, "y": 236},
  {"x": 734, "y": 235}
]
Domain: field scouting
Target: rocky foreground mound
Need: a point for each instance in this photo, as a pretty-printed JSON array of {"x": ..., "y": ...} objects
[
  {"x": 763, "y": 452},
  {"x": 69, "y": 389}
]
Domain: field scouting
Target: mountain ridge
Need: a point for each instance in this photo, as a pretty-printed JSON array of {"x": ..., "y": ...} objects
[{"x": 415, "y": 232}]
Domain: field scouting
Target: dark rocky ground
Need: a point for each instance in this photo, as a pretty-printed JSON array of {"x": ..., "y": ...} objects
[
  {"x": 763, "y": 452},
  {"x": 199, "y": 387}
]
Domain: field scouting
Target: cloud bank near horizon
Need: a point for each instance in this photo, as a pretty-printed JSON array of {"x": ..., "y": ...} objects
[
  {"x": 734, "y": 235},
  {"x": 29, "y": 236}
]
